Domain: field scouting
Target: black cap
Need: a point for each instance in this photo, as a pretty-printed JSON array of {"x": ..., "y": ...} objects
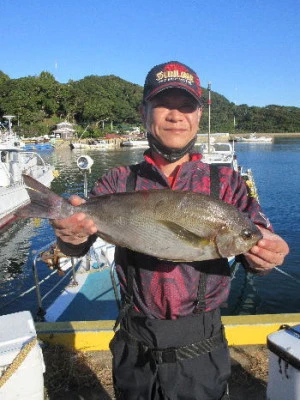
[{"x": 172, "y": 75}]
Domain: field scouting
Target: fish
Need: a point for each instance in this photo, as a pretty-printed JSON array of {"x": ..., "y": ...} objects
[{"x": 181, "y": 226}]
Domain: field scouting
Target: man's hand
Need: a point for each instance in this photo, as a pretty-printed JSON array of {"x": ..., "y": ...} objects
[
  {"x": 75, "y": 229},
  {"x": 269, "y": 252}
]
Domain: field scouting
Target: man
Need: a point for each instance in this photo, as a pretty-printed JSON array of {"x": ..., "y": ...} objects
[{"x": 170, "y": 344}]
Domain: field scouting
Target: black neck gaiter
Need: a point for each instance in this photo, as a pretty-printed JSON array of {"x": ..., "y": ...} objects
[{"x": 168, "y": 153}]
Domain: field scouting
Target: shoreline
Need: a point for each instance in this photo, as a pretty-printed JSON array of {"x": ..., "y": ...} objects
[
  {"x": 200, "y": 137},
  {"x": 230, "y": 137},
  {"x": 273, "y": 135}
]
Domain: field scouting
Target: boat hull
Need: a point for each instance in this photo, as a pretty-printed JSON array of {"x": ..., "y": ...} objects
[
  {"x": 13, "y": 195},
  {"x": 10, "y": 200}
]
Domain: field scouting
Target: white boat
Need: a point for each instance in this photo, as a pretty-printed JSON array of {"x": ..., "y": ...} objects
[
  {"x": 219, "y": 153},
  {"x": 91, "y": 144},
  {"x": 134, "y": 143},
  {"x": 8, "y": 139},
  {"x": 13, "y": 163},
  {"x": 253, "y": 138},
  {"x": 11, "y": 141},
  {"x": 223, "y": 154}
]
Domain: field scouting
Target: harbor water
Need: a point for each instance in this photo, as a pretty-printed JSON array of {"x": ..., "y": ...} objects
[{"x": 275, "y": 169}]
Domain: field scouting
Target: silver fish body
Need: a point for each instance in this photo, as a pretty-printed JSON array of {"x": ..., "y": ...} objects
[{"x": 171, "y": 225}]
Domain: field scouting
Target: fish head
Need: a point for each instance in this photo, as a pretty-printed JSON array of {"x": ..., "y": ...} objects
[{"x": 231, "y": 242}]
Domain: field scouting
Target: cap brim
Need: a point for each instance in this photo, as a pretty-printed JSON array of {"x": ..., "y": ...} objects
[{"x": 176, "y": 85}]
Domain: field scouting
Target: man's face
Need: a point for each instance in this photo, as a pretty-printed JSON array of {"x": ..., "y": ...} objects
[{"x": 173, "y": 117}]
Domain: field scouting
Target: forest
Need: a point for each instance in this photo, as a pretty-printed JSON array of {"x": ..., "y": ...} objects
[{"x": 106, "y": 104}]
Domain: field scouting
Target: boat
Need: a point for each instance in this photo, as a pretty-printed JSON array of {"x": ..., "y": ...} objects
[
  {"x": 253, "y": 138},
  {"x": 90, "y": 144},
  {"x": 40, "y": 147},
  {"x": 223, "y": 154},
  {"x": 13, "y": 163},
  {"x": 134, "y": 143},
  {"x": 8, "y": 139},
  {"x": 127, "y": 143}
]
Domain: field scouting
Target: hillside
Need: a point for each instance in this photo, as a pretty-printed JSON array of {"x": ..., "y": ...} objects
[{"x": 101, "y": 104}]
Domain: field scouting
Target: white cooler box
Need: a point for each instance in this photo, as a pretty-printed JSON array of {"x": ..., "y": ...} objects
[
  {"x": 284, "y": 364},
  {"x": 27, "y": 381}
]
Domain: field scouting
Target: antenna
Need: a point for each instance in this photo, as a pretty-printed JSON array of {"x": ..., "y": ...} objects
[
  {"x": 209, "y": 104},
  {"x": 9, "y": 118}
]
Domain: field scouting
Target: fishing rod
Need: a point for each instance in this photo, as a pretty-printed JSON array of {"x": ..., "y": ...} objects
[{"x": 287, "y": 274}]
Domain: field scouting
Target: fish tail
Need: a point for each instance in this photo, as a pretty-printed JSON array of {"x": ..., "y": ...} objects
[{"x": 44, "y": 203}]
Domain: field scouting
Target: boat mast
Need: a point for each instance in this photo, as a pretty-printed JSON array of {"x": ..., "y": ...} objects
[{"x": 209, "y": 104}]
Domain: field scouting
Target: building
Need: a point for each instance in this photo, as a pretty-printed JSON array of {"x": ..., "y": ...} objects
[{"x": 65, "y": 130}]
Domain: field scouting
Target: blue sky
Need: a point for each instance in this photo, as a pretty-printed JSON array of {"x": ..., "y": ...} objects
[{"x": 248, "y": 49}]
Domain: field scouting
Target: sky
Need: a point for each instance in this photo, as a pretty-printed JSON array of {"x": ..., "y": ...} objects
[{"x": 248, "y": 49}]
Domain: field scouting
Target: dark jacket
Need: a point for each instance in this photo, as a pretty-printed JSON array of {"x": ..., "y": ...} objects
[{"x": 163, "y": 289}]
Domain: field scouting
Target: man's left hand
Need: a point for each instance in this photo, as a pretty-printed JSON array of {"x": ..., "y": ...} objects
[{"x": 268, "y": 253}]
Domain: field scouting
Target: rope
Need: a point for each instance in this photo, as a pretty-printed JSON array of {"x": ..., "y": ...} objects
[{"x": 18, "y": 360}]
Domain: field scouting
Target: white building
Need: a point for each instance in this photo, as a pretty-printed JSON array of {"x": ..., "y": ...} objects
[{"x": 65, "y": 130}]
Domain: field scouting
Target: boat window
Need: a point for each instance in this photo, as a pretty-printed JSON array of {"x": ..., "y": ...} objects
[
  {"x": 222, "y": 147},
  {"x": 3, "y": 156}
]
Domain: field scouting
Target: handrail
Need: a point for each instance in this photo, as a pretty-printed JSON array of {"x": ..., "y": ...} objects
[
  {"x": 37, "y": 155},
  {"x": 26, "y": 291},
  {"x": 41, "y": 312}
]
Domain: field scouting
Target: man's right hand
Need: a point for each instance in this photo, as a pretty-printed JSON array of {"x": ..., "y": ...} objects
[{"x": 77, "y": 228}]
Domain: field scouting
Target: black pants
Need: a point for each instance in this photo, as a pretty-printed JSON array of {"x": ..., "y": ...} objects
[{"x": 137, "y": 375}]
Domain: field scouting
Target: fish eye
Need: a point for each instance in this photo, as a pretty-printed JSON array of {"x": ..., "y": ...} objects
[{"x": 246, "y": 234}]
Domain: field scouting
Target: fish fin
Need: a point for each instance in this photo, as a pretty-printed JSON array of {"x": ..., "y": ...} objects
[
  {"x": 186, "y": 235},
  {"x": 33, "y": 211},
  {"x": 36, "y": 185},
  {"x": 44, "y": 203}
]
